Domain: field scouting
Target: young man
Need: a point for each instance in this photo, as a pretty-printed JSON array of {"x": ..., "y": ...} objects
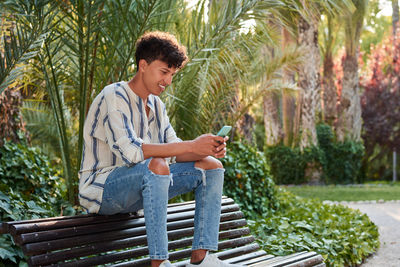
[{"x": 132, "y": 158}]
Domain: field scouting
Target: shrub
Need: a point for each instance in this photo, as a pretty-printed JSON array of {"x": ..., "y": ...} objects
[
  {"x": 285, "y": 223},
  {"x": 29, "y": 188},
  {"x": 343, "y": 236},
  {"x": 286, "y": 164},
  {"x": 340, "y": 161},
  {"x": 247, "y": 179}
]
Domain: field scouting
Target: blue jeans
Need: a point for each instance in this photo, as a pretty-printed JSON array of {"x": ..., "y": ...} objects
[{"x": 128, "y": 189}]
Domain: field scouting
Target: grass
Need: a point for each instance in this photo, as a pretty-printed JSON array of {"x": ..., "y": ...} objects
[{"x": 371, "y": 191}]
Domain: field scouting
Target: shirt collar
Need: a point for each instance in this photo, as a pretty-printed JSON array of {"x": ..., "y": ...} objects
[{"x": 150, "y": 100}]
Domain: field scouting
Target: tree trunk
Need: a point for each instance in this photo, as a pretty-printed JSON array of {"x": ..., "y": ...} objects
[
  {"x": 349, "y": 111},
  {"x": 272, "y": 124},
  {"x": 288, "y": 99},
  {"x": 329, "y": 94},
  {"x": 10, "y": 116},
  {"x": 395, "y": 25},
  {"x": 246, "y": 127},
  {"x": 395, "y": 17},
  {"x": 309, "y": 81}
]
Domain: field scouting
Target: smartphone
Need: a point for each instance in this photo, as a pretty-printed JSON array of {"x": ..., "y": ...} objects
[{"x": 224, "y": 131}]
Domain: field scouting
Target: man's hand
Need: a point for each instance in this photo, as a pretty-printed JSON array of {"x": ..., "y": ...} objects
[
  {"x": 210, "y": 145},
  {"x": 221, "y": 148}
]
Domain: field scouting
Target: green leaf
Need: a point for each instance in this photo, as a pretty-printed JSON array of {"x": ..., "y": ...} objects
[{"x": 7, "y": 255}]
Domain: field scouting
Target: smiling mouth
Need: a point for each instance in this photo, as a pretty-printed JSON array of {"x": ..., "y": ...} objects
[{"x": 162, "y": 87}]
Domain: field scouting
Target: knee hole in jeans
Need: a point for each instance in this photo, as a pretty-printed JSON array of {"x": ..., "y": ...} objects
[
  {"x": 159, "y": 166},
  {"x": 209, "y": 163}
]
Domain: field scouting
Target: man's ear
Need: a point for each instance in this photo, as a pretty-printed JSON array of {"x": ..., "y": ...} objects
[{"x": 143, "y": 65}]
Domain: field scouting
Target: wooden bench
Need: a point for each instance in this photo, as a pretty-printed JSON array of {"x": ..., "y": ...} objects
[{"x": 120, "y": 240}]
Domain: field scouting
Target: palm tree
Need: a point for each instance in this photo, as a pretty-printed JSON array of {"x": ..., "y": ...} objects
[
  {"x": 87, "y": 45},
  {"x": 272, "y": 122},
  {"x": 328, "y": 46},
  {"x": 304, "y": 17},
  {"x": 91, "y": 44},
  {"x": 349, "y": 111},
  {"x": 288, "y": 99},
  {"x": 224, "y": 63},
  {"x": 309, "y": 79}
]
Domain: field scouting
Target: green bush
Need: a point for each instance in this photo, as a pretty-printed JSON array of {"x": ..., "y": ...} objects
[
  {"x": 30, "y": 188},
  {"x": 284, "y": 223},
  {"x": 286, "y": 164},
  {"x": 343, "y": 236},
  {"x": 340, "y": 161},
  {"x": 247, "y": 179}
]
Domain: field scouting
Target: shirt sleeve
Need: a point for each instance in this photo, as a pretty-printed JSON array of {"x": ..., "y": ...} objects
[
  {"x": 119, "y": 128},
  {"x": 169, "y": 134}
]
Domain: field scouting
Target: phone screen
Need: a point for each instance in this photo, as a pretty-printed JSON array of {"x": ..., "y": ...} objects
[{"x": 224, "y": 131}]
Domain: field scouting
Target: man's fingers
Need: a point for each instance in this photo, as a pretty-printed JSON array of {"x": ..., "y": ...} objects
[
  {"x": 219, "y": 139},
  {"x": 220, "y": 147},
  {"x": 221, "y": 154}
]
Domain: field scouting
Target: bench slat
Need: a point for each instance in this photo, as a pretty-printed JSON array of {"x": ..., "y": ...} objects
[
  {"x": 257, "y": 260},
  {"x": 97, "y": 228},
  {"x": 37, "y": 227},
  {"x": 298, "y": 259},
  {"x": 227, "y": 254},
  {"x": 89, "y": 229},
  {"x": 176, "y": 255},
  {"x": 247, "y": 256},
  {"x": 312, "y": 261},
  {"x": 254, "y": 257},
  {"x": 20, "y": 227},
  {"x": 143, "y": 251},
  {"x": 69, "y": 242},
  {"x": 4, "y": 227},
  {"x": 124, "y": 243}
]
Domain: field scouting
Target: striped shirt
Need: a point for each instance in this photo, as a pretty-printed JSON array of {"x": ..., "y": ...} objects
[{"x": 115, "y": 129}]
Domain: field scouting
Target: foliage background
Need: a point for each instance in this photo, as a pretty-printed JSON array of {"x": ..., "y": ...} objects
[
  {"x": 30, "y": 187},
  {"x": 338, "y": 162}
]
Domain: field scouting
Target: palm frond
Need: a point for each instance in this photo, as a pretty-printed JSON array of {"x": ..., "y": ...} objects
[
  {"x": 223, "y": 81},
  {"x": 41, "y": 126},
  {"x": 17, "y": 47},
  {"x": 213, "y": 46}
]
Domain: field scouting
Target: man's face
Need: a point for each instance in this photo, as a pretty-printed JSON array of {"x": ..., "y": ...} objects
[{"x": 156, "y": 76}]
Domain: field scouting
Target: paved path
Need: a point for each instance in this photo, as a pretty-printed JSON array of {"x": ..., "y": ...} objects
[{"x": 387, "y": 217}]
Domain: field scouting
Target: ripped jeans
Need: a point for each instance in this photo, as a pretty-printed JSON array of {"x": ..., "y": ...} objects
[{"x": 129, "y": 189}]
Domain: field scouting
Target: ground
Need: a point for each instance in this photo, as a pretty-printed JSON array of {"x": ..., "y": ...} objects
[{"x": 387, "y": 217}]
